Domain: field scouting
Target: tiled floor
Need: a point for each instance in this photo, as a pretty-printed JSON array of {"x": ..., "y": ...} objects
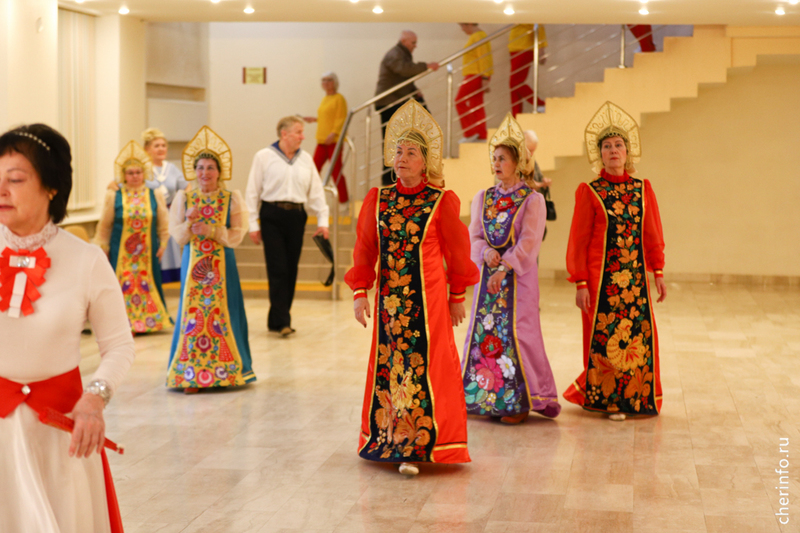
[{"x": 280, "y": 455}]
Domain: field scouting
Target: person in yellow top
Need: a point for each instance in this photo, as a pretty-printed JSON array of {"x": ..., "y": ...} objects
[
  {"x": 477, "y": 71},
  {"x": 520, "y": 46},
  {"x": 330, "y": 120}
]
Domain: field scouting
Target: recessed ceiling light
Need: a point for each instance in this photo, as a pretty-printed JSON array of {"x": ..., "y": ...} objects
[
  {"x": 353, "y": 1},
  {"x": 215, "y": 1},
  {"x": 794, "y": 2},
  {"x": 498, "y": 1},
  {"x": 509, "y": 10},
  {"x": 124, "y": 10},
  {"x": 249, "y": 10},
  {"x": 377, "y": 10},
  {"x": 780, "y": 11},
  {"x": 644, "y": 11},
  {"x": 79, "y": 1}
]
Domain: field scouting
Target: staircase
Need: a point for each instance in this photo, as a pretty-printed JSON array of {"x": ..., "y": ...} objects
[
  {"x": 685, "y": 65},
  {"x": 313, "y": 269}
]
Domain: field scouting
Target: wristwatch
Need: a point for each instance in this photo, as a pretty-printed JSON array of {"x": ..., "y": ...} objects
[
  {"x": 100, "y": 388},
  {"x": 503, "y": 268}
]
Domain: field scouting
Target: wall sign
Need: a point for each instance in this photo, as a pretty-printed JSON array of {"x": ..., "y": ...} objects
[{"x": 254, "y": 75}]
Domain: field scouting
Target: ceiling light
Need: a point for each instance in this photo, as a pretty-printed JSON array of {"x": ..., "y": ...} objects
[
  {"x": 124, "y": 10},
  {"x": 509, "y": 10},
  {"x": 794, "y": 2},
  {"x": 780, "y": 11},
  {"x": 377, "y": 10},
  {"x": 215, "y": 1},
  {"x": 498, "y": 1},
  {"x": 644, "y": 11},
  {"x": 79, "y": 1},
  {"x": 353, "y": 1},
  {"x": 249, "y": 10}
]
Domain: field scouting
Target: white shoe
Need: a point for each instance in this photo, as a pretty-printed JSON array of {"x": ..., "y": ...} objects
[
  {"x": 540, "y": 109},
  {"x": 408, "y": 469},
  {"x": 617, "y": 417},
  {"x": 470, "y": 139}
]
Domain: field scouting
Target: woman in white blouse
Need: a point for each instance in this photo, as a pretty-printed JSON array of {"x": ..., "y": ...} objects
[
  {"x": 50, "y": 284},
  {"x": 210, "y": 347}
]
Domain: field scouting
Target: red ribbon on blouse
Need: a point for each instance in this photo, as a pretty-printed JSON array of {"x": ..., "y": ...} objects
[{"x": 35, "y": 276}]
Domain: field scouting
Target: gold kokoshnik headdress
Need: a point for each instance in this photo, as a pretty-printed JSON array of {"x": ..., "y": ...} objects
[
  {"x": 612, "y": 121},
  {"x": 413, "y": 124},
  {"x": 132, "y": 155},
  {"x": 510, "y": 134},
  {"x": 206, "y": 144}
]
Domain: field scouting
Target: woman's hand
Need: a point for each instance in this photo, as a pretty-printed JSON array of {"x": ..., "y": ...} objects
[
  {"x": 495, "y": 282},
  {"x": 160, "y": 252},
  {"x": 201, "y": 228},
  {"x": 310, "y": 120},
  {"x": 192, "y": 214},
  {"x": 331, "y": 138},
  {"x": 90, "y": 429},
  {"x": 582, "y": 299},
  {"x": 361, "y": 306},
  {"x": 113, "y": 186},
  {"x": 457, "y": 313},
  {"x": 491, "y": 257},
  {"x": 661, "y": 287}
]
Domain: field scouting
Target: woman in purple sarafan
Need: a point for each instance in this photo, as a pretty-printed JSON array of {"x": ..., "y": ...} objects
[{"x": 506, "y": 373}]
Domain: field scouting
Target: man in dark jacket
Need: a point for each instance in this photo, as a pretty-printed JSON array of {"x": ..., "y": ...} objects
[{"x": 396, "y": 67}]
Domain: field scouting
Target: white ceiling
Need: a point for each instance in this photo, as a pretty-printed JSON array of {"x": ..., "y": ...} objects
[{"x": 730, "y": 12}]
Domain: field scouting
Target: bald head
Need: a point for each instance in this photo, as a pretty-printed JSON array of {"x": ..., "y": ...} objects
[
  {"x": 531, "y": 140},
  {"x": 408, "y": 39}
]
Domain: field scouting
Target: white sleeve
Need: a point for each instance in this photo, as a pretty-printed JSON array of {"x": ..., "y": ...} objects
[
  {"x": 178, "y": 225},
  {"x": 316, "y": 197},
  {"x": 109, "y": 323},
  {"x": 253, "y": 191},
  {"x": 232, "y": 236}
]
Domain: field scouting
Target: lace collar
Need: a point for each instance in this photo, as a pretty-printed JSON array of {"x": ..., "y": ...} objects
[{"x": 29, "y": 242}]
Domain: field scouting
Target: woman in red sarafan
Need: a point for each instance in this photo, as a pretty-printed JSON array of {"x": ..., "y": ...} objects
[
  {"x": 615, "y": 238},
  {"x": 414, "y": 409}
]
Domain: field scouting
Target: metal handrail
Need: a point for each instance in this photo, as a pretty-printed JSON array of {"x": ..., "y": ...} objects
[{"x": 446, "y": 61}]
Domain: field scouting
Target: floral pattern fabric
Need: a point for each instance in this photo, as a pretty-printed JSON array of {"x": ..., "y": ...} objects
[
  {"x": 135, "y": 262},
  {"x": 493, "y": 376},
  {"x": 402, "y": 412},
  {"x": 619, "y": 376},
  {"x": 206, "y": 353}
]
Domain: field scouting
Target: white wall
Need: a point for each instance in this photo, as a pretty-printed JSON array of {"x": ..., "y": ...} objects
[{"x": 29, "y": 62}]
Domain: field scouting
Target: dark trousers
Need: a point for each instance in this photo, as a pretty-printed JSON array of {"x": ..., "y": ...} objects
[
  {"x": 282, "y": 233},
  {"x": 386, "y": 114}
]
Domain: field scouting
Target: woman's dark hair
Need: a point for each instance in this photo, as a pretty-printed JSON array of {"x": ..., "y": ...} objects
[
  {"x": 48, "y": 151},
  {"x": 207, "y": 155}
]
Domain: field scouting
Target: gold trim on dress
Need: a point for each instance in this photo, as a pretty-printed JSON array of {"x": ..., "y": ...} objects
[
  {"x": 608, "y": 121},
  {"x": 428, "y": 225},
  {"x": 131, "y": 154},
  {"x": 206, "y": 141}
]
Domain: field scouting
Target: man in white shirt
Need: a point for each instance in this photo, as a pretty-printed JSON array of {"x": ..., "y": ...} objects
[{"x": 282, "y": 179}]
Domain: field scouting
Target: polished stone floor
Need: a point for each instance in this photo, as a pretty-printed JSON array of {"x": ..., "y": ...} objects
[{"x": 280, "y": 455}]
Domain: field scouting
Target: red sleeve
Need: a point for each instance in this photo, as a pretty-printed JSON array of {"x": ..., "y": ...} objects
[
  {"x": 652, "y": 232},
  {"x": 461, "y": 271},
  {"x": 365, "y": 253},
  {"x": 580, "y": 235}
]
